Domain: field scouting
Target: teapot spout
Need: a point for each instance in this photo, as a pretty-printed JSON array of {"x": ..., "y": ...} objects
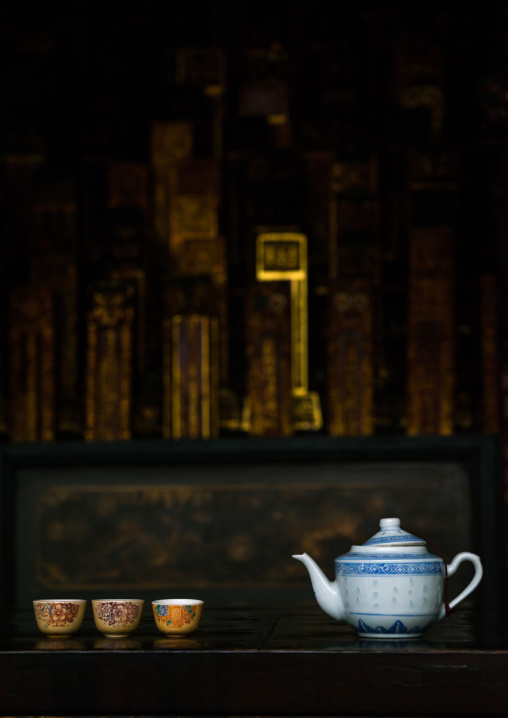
[{"x": 327, "y": 592}]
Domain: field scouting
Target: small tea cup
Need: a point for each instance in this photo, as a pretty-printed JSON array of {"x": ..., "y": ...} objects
[
  {"x": 59, "y": 617},
  {"x": 117, "y": 617},
  {"x": 177, "y": 616}
]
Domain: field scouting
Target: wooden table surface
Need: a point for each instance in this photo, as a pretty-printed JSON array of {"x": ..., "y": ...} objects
[{"x": 265, "y": 661}]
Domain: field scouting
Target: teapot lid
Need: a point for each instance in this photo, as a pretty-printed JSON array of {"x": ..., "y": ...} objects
[{"x": 391, "y": 534}]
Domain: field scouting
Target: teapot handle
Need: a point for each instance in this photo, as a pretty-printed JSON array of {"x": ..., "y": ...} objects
[{"x": 478, "y": 573}]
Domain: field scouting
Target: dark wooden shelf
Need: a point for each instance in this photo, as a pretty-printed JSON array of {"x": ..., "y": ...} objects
[{"x": 289, "y": 661}]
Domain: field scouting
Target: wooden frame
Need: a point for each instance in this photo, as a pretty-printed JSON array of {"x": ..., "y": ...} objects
[{"x": 292, "y": 462}]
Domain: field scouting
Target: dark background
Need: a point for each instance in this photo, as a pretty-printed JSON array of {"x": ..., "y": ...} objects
[{"x": 81, "y": 87}]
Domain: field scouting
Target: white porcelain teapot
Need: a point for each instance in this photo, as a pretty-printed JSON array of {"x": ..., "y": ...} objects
[{"x": 392, "y": 586}]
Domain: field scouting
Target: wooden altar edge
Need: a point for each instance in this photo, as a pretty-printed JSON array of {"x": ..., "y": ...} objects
[{"x": 235, "y": 683}]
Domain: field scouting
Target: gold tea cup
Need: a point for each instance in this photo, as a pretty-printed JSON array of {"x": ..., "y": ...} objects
[
  {"x": 59, "y": 617},
  {"x": 117, "y": 617}
]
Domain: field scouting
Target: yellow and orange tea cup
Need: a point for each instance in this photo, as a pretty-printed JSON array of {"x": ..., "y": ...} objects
[{"x": 177, "y": 616}]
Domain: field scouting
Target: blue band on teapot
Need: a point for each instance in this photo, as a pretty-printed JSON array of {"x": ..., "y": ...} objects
[{"x": 376, "y": 568}]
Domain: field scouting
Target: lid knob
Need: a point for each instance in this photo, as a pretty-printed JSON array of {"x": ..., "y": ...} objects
[
  {"x": 389, "y": 523},
  {"x": 390, "y": 535}
]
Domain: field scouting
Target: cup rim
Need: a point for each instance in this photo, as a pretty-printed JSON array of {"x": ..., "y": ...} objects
[
  {"x": 59, "y": 600},
  {"x": 116, "y": 600},
  {"x": 177, "y": 602}
]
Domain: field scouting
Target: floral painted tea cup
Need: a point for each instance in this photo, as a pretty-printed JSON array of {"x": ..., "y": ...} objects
[
  {"x": 177, "y": 616},
  {"x": 117, "y": 617},
  {"x": 58, "y": 618}
]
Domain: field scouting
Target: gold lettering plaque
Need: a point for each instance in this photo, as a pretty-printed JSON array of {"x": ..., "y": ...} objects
[{"x": 283, "y": 256}]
